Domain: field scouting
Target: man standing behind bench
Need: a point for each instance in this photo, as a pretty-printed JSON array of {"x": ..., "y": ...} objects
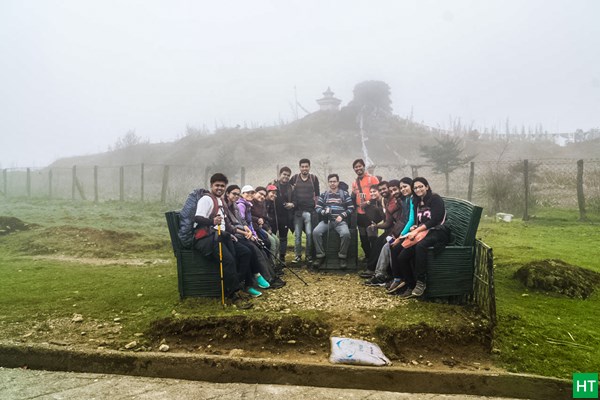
[
  {"x": 335, "y": 206},
  {"x": 209, "y": 215}
]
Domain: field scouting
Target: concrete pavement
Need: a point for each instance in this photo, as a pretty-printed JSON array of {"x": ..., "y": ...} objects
[
  {"x": 269, "y": 373},
  {"x": 22, "y": 384}
]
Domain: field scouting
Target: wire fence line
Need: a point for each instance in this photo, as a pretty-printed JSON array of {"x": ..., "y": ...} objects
[{"x": 518, "y": 187}]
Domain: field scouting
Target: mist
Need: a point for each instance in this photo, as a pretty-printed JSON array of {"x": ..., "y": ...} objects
[{"x": 76, "y": 76}]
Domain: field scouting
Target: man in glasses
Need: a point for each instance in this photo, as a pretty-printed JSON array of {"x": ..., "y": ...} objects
[{"x": 335, "y": 206}]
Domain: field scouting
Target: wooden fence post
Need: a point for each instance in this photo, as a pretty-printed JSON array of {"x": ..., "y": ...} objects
[
  {"x": 580, "y": 196},
  {"x": 414, "y": 170},
  {"x": 50, "y": 183},
  {"x": 28, "y": 182},
  {"x": 526, "y": 179},
  {"x": 165, "y": 184},
  {"x": 74, "y": 184},
  {"x": 206, "y": 178},
  {"x": 121, "y": 183},
  {"x": 243, "y": 176},
  {"x": 95, "y": 183},
  {"x": 471, "y": 179},
  {"x": 142, "y": 182}
]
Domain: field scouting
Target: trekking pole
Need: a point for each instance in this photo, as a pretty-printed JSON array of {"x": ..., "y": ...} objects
[
  {"x": 327, "y": 246},
  {"x": 221, "y": 266},
  {"x": 284, "y": 265}
]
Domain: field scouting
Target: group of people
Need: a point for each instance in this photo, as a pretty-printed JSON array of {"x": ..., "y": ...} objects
[{"x": 247, "y": 228}]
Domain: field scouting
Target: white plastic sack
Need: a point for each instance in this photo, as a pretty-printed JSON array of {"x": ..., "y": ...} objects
[{"x": 354, "y": 351}]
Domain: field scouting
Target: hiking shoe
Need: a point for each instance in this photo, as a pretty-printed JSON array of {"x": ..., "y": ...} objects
[
  {"x": 376, "y": 280},
  {"x": 407, "y": 293},
  {"x": 262, "y": 282},
  {"x": 238, "y": 301},
  {"x": 366, "y": 274},
  {"x": 243, "y": 295},
  {"x": 343, "y": 263},
  {"x": 396, "y": 286},
  {"x": 253, "y": 292},
  {"x": 277, "y": 283},
  {"x": 297, "y": 260},
  {"x": 419, "y": 289}
]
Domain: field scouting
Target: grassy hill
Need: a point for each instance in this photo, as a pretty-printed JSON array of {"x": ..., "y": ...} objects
[{"x": 324, "y": 137}]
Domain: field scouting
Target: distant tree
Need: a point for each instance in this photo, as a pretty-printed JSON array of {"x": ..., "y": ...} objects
[
  {"x": 373, "y": 95},
  {"x": 127, "y": 140},
  {"x": 446, "y": 156},
  {"x": 371, "y": 100}
]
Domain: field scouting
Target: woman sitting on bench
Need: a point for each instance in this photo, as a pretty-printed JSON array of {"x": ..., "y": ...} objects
[{"x": 428, "y": 231}]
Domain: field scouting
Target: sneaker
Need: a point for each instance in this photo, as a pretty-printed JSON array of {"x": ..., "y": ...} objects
[
  {"x": 376, "y": 280},
  {"x": 277, "y": 283},
  {"x": 237, "y": 300},
  {"x": 243, "y": 295},
  {"x": 318, "y": 262},
  {"x": 343, "y": 263},
  {"x": 396, "y": 286},
  {"x": 366, "y": 274},
  {"x": 253, "y": 292},
  {"x": 297, "y": 260},
  {"x": 262, "y": 282},
  {"x": 419, "y": 289},
  {"x": 405, "y": 294},
  {"x": 309, "y": 260}
]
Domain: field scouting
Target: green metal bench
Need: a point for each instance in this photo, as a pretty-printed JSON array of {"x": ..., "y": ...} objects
[
  {"x": 450, "y": 271},
  {"x": 197, "y": 276},
  {"x": 331, "y": 243}
]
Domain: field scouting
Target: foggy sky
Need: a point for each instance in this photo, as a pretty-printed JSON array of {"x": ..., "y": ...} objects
[{"x": 77, "y": 75}]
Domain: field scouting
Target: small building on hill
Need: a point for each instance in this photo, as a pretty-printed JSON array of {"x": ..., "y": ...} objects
[{"x": 328, "y": 102}]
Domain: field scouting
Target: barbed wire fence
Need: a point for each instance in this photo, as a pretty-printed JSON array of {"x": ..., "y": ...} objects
[{"x": 519, "y": 187}]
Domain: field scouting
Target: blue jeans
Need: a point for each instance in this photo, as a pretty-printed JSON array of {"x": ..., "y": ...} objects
[{"x": 300, "y": 221}]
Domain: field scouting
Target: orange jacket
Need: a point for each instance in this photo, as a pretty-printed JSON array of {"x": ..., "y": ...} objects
[{"x": 365, "y": 185}]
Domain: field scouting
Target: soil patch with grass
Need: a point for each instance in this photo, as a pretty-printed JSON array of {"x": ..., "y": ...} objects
[
  {"x": 296, "y": 322},
  {"x": 556, "y": 276},
  {"x": 89, "y": 242},
  {"x": 12, "y": 224}
]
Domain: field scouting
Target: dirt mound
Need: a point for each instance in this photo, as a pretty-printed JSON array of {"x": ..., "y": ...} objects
[
  {"x": 90, "y": 242},
  {"x": 12, "y": 224},
  {"x": 556, "y": 276}
]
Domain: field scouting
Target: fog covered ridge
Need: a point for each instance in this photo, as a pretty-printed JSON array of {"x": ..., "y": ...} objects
[{"x": 77, "y": 76}]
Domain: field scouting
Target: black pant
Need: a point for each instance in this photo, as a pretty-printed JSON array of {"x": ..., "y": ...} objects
[
  {"x": 362, "y": 221},
  {"x": 417, "y": 271},
  {"x": 282, "y": 231},
  {"x": 243, "y": 256},
  {"x": 376, "y": 246},
  {"x": 209, "y": 247}
]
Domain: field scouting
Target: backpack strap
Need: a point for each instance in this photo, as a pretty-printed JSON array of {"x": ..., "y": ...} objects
[{"x": 215, "y": 210}]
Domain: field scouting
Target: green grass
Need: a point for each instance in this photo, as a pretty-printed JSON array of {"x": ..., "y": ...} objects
[
  {"x": 537, "y": 332},
  {"x": 540, "y": 332}
]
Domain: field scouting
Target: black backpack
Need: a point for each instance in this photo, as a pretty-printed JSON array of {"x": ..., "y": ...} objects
[{"x": 186, "y": 217}]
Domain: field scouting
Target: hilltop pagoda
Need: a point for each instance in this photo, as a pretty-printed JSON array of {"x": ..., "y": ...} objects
[{"x": 328, "y": 102}]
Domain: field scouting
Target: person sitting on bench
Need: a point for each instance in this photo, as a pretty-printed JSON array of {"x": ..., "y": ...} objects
[
  {"x": 335, "y": 206},
  {"x": 428, "y": 231}
]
